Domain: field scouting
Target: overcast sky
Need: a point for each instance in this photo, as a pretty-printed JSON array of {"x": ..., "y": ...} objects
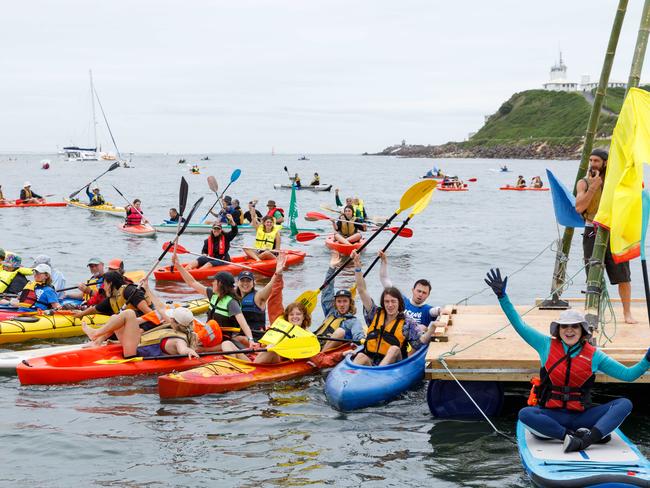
[{"x": 311, "y": 76}]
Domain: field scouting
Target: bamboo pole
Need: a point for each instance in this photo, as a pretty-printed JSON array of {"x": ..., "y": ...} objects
[
  {"x": 559, "y": 271},
  {"x": 595, "y": 277}
]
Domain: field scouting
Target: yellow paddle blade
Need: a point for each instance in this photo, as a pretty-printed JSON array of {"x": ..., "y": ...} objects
[
  {"x": 353, "y": 291},
  {"x": 281, "y": 330},
  {"x": 309, "y": 299},
  {"x": 297, "y": 348},
  {"x": 118, "y": 361},
  {"x": 136, "y": 275},
  {"x": 422, "y": 203},
  {"x": 415, "y": 194}
]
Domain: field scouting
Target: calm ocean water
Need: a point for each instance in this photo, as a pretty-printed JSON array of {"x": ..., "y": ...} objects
[{"x": 118, "y": 433}]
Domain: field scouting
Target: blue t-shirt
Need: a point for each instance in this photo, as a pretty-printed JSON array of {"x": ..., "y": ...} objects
[
  {"x": 420, "y": 314},
  {"x": 45, "y": 296}
]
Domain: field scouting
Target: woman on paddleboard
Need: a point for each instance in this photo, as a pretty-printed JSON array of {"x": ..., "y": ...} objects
[{"x": 569, "y": 362}]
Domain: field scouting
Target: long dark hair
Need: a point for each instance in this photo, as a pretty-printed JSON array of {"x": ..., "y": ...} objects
[
  {"x": 115, "y": 279},
  {"x": 395, "y": 293}
]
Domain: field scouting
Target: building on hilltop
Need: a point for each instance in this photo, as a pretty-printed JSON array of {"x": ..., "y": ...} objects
[{"x": 558, "y": 80}]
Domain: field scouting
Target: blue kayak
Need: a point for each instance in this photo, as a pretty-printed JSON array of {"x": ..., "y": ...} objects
[
  {"x": 351, "y": 386},
  {"x": 617, "y": 463}
]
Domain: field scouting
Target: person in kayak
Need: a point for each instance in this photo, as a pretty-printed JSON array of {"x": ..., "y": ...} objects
[
  {"x": 521, "y": 182},
  {"x": 267, "y": 238},
  {"x": 569, "y": 363},
  {"x": 236, "y": 211},
  {"x": 13, "y": 275},
  {"x": 224, "y": 307},
  {"x": 339, "y": 311},
  {"x": 174, "y": 216},
  {"x": 247, "y": 218},
  {"x": 274, "y": 211},
  {"x": 3, "y": 200},
  {"x": 296, "y": 181},
  {"x": 94, "y": 196},
  {"x": 134, "y": 214},
  {"x": 359, "y": 209},
  {"x": 253, "y": 302},
  {"x": 536, "y": 182},
  {"x": 347, "y": 227},
  {"x": 119, "y": 294},
  {"x": 58, "y": 280},
  {"x": 174, "y": 335},
  {"x": 216, "y": 246},
  {"x": 315, "y": 180},
  {"x": 390, "y": 331},
  {"x": 38, "y": 294},
  {"x": 415, "y": 306},
  {"x": 87, "y": 291},
  {"x": 28, "y": 196}
]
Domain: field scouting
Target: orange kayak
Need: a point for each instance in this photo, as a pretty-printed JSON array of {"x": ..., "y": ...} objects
[
  {"x": 265, "y": 267},
  {"x": 229, "y": 374},
  {"x": 17, "y": 203},
  {"x": 81, "y": 364},
  {"x": 142, "y": 230},
  {"x": 526, "y": 188},
  {"x": 345, "y": 249}
]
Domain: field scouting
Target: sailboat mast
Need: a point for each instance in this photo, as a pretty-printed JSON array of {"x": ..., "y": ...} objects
[{"x": 92, "y": 104}]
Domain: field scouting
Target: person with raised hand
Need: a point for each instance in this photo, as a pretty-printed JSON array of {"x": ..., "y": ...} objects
[{"x": 569, "y": 362}]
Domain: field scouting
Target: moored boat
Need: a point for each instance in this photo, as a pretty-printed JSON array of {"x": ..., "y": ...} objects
[
  {"x": 351, "y": 386},
  {"x": 229, "y": 374}
]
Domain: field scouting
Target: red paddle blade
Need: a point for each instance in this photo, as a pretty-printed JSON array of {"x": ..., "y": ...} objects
[
  {"x": 306, "y": 236},
  {"x": 179, "y": 249},
  {"x": 317, "y": 216},
  {"x": 473, "y": 180},
  {"x": 405, "y": 232}
]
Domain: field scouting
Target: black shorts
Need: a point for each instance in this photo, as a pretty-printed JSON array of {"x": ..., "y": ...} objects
[
  {"x": 617, "y": 273},
  {"x": 214, "y": 262}
]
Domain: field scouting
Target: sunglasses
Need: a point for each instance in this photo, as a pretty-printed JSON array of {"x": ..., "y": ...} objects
[
  {"x": 217, "y": 228},
  {"x": 570, "y": 326}
]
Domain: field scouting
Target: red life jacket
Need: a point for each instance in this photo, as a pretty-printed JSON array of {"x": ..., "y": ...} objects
[
  {"x": 133, "y": 217},
  {"x": 271, "y": 212},
  {"x": 567, "y": 381},
  {"x": 222, "y": 246}
]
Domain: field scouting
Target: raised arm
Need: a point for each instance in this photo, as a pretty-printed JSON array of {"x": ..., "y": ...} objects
[
  {"x": 275, "y": 305},
  {"x": 585, "y": 192},
  {"x": 327, "y": 293},
  {"x": 262, "y": 296},
  {"x": 187, "y": 277},
  {"x": 361, "y": 282},
  {"x": 613, "y": 368},
  {"x": 158, "y": 304},
  {"x": 383, "y": 270},
  {"x": 255, "y": 221}
]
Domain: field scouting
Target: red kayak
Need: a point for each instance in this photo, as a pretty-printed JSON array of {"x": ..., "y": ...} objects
[
  {"x": 142, "y": 230},
  {"x": 345, "y": 249},
  {"x": 81, "y": 364},
  {"x": 451, "y": 188},
  {"x": 513, "y": 188},
  {"x": 266, "y": 266},
  {"x": 18, "y": 203},
  {"x": 229, "y": 374}
]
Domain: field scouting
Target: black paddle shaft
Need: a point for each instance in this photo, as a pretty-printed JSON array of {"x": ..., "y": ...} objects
[
  {"x": 393, "y": 237},
  {"x": 646, "y": 285},
  {"x": 111, "y": 168}
]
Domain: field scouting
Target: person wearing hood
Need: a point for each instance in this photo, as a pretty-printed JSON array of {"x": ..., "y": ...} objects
[
  {"x": 58, "y": 280},
  {"x": 569, "y": 363}
]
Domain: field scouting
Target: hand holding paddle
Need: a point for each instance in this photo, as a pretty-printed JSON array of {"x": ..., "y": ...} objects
[
  {"x": 212, "y": 183},
  {"x": 181, "y": 250},
  {"x": 129, "y": 204},
  {"x": 113, "y": 166}
]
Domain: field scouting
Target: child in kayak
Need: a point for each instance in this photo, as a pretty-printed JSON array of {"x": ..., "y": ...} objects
[{"x": 569, "y": 363}]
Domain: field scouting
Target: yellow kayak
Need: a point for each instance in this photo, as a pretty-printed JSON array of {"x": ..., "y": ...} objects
[
  {"x": 59, "y": 325},
  {"x": 107, "y": 208}
]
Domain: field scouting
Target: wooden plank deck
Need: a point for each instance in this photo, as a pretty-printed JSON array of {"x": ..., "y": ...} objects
[{"x": 506, "y": 357}]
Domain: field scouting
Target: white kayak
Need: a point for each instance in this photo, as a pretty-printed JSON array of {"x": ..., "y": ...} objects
[
  {"x": 616, "y": 463},
  {"x": 279, "y": 186},
  {"x": 10, "y": 359}
]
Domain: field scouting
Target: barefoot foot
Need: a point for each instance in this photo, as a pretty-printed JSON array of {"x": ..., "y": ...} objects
[
  {"x": 630, "y": 320},
  {"x": 88, "y": 330}
]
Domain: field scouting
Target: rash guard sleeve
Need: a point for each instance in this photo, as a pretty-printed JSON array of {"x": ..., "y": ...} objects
[
  {"x": 538, "y": 341},
  {"x": 611, "y": 367}
]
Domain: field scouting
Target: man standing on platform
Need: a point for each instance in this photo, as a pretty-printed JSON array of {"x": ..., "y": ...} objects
[{"x": 589, "y": 191}]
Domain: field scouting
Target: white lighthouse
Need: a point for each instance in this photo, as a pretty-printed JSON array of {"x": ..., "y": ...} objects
[{"x": 558, "y": 79}]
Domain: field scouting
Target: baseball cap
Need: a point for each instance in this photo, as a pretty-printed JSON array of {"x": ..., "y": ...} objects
[
  {"x": 271, "y": 203},
  {"x": 227, "y": 199},
  {"x": 225, "y": 278},
  {"x": 343, "y": 293},
  {"x": 43, "y": 268},
  {"x": 94, "y": 261},
  {"x": 181, "y": 315},
  {"x": 246, "y": 275},
  {"x": 116, "y": 263},
  {"x": 42, "y": 259}
]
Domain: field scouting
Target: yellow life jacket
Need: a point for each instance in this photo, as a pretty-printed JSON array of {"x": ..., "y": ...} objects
[
  {"x": 6, "y": 277},
  {"x": 28, "y": 194},
  {"x": 347, "y": 227},
  {"x": 266, "y": 240},
  {"x": 155, "y": 336},
  {"x": 93, "y": 285},
  {"x": 28, "y": 297},
  {"x": 118, "y": 301},
  {"x": 358, "y": 209},
  {"x": 330, "y": 324},
  {"x": 381, "y": 335}
]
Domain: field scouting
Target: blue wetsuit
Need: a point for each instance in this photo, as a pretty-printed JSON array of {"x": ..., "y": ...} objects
[{"x": 554, "y": 422}]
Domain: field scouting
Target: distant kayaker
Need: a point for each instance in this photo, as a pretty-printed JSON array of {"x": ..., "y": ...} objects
[
  {"x": 504, "y": 168},
  {"x": 174, "y": 216},
  {"x": 296, "y": 181},
  {"x": 13, "y": 275},
  {"x": 521, "y": 182},
  {"x": 38, "y": 294},
  {"x": 536, "y": 182},
  {"x": 95, "y": 197},
  {"x": 58, "y": 280},
  {"x": 217, "y": 246},
  {"x": 253, "y": 302},
  {"x": 28, "y": 196},
  {"x": 339, "y": 311},
  {"x": 224, "y": 307},
  {"x": 247, "y": 215},
  {"x": 274, "y": 211},
  {"x": 315, "y": 181},
  {"x": 390, "y": 331},
  {"x": 135, "y": 214},
  {"x": 175, "y": 334},
  {"x": 415, "y": 306},
  {"x": 588, "y": 193},
  {"x": 2, "y": 197},
  {"x": 347, "y": 227},
  {"x": 569, "y": 362}
]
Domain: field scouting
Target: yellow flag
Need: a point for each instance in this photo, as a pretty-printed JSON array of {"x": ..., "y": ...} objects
[{"x": 620, "y": 208}]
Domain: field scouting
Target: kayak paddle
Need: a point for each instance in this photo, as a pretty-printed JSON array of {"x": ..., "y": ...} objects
[
  {"x": 398, "y": 231},
  {"x": 412, "y": 196},
  {"x": 212, "y": 183},
  {"x": 113, "y": 166},
  {"x": 182, "y": 203},
  {"x": 181, "y": 250},
  {"x": 417, "y": 208},
  {"x": 128, "y": 202}
]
